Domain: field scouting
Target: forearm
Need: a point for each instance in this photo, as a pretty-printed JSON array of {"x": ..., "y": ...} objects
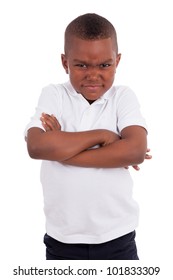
[
  {"x": 116, "y": 155},
  {"x": 129, "y": 150},
  {"x": 59, "y": 145}
]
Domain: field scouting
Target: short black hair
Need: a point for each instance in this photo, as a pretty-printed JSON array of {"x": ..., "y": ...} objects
[{"x": 90, "y": 26}]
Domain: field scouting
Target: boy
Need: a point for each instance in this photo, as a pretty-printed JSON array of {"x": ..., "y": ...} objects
[{"x": 87, "y": 131}]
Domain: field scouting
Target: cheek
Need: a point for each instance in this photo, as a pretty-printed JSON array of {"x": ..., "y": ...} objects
[
  {"x": 78, "y": 76},
  {"x": 75, "y": 79},
  {"x": 75, "y": 75},
  {"x": 110, "y": 75}
]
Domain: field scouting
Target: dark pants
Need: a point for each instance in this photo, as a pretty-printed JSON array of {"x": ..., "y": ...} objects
[{"x": 122, "y": 248}]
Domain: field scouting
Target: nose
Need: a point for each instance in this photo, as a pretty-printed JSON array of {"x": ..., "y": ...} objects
[{"x": 92, "y": 73}]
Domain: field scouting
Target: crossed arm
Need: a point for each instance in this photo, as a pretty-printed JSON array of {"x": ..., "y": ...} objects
[{"x": 73, "y": 148}]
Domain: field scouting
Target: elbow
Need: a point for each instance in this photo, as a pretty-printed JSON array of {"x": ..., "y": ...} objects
[
  {"x": 33, "y": 151},
  {"x": 138, "y": 157},
  {"x": 35, "y": 145}
]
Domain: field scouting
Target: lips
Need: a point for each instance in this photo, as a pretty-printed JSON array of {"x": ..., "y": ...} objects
[{"x": 92, "y": 87}]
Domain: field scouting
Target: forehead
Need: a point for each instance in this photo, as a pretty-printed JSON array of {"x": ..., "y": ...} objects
[{"x": 91, "y": 49}]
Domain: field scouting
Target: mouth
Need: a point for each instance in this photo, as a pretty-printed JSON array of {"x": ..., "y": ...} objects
[{"x": 93, "y": 87}]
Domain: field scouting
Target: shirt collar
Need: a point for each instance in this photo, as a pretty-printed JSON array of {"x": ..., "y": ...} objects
[{"x": 104, "y": 97}]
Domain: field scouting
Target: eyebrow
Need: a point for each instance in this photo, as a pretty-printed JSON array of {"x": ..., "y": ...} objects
[{"x": 110, "y": 60}]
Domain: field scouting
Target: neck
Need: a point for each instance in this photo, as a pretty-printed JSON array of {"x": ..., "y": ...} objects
[{"x": 90, "y": 101}]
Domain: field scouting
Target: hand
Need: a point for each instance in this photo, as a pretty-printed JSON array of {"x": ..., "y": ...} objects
[
  {"x": 147, "y": 156},
  {"x": 50, "y": 122},
  {"x": 110, "y": 137}
]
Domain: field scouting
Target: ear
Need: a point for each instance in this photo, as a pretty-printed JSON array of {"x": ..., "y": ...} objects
[
  {"x": 64, "y": 62},
  {"x": 118, "y": 57}
]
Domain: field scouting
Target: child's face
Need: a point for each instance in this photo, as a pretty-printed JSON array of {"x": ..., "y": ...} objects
[{"x": 91, "y": 66}]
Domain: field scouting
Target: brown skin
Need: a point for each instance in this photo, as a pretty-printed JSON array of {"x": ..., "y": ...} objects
[
  {"x": 50, "y": 123},
  {"x": 91, "y": 66},
  {"x": 59, "y": 146}
]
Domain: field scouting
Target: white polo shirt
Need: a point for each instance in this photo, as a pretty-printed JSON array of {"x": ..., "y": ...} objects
[{"x": 88, "y": 205}]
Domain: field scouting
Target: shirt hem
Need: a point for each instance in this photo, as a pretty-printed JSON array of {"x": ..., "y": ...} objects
[{"x": 83, "y": 239}]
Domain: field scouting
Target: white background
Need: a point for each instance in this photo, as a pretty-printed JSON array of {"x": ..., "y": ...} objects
[{"x": 31, "y": 44}]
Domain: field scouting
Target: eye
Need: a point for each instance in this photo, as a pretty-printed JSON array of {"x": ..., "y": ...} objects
[
  {"x": 105, "y": 65},
  {"x": 81, "y": 65}
]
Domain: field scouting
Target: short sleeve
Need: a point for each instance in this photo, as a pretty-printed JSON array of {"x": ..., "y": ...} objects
[
  {"x": 50, "y": 103},
  {"x": 128, "y": 110}
]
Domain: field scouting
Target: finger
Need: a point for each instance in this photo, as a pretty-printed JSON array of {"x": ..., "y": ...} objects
[
  {"x": 45, "y": 126},
  {"x": 147, "y": 156},
  {"x": 49, "y": 121},
  {"x": 56, "y": 122},
  {"x": 136, "y": 167}
]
